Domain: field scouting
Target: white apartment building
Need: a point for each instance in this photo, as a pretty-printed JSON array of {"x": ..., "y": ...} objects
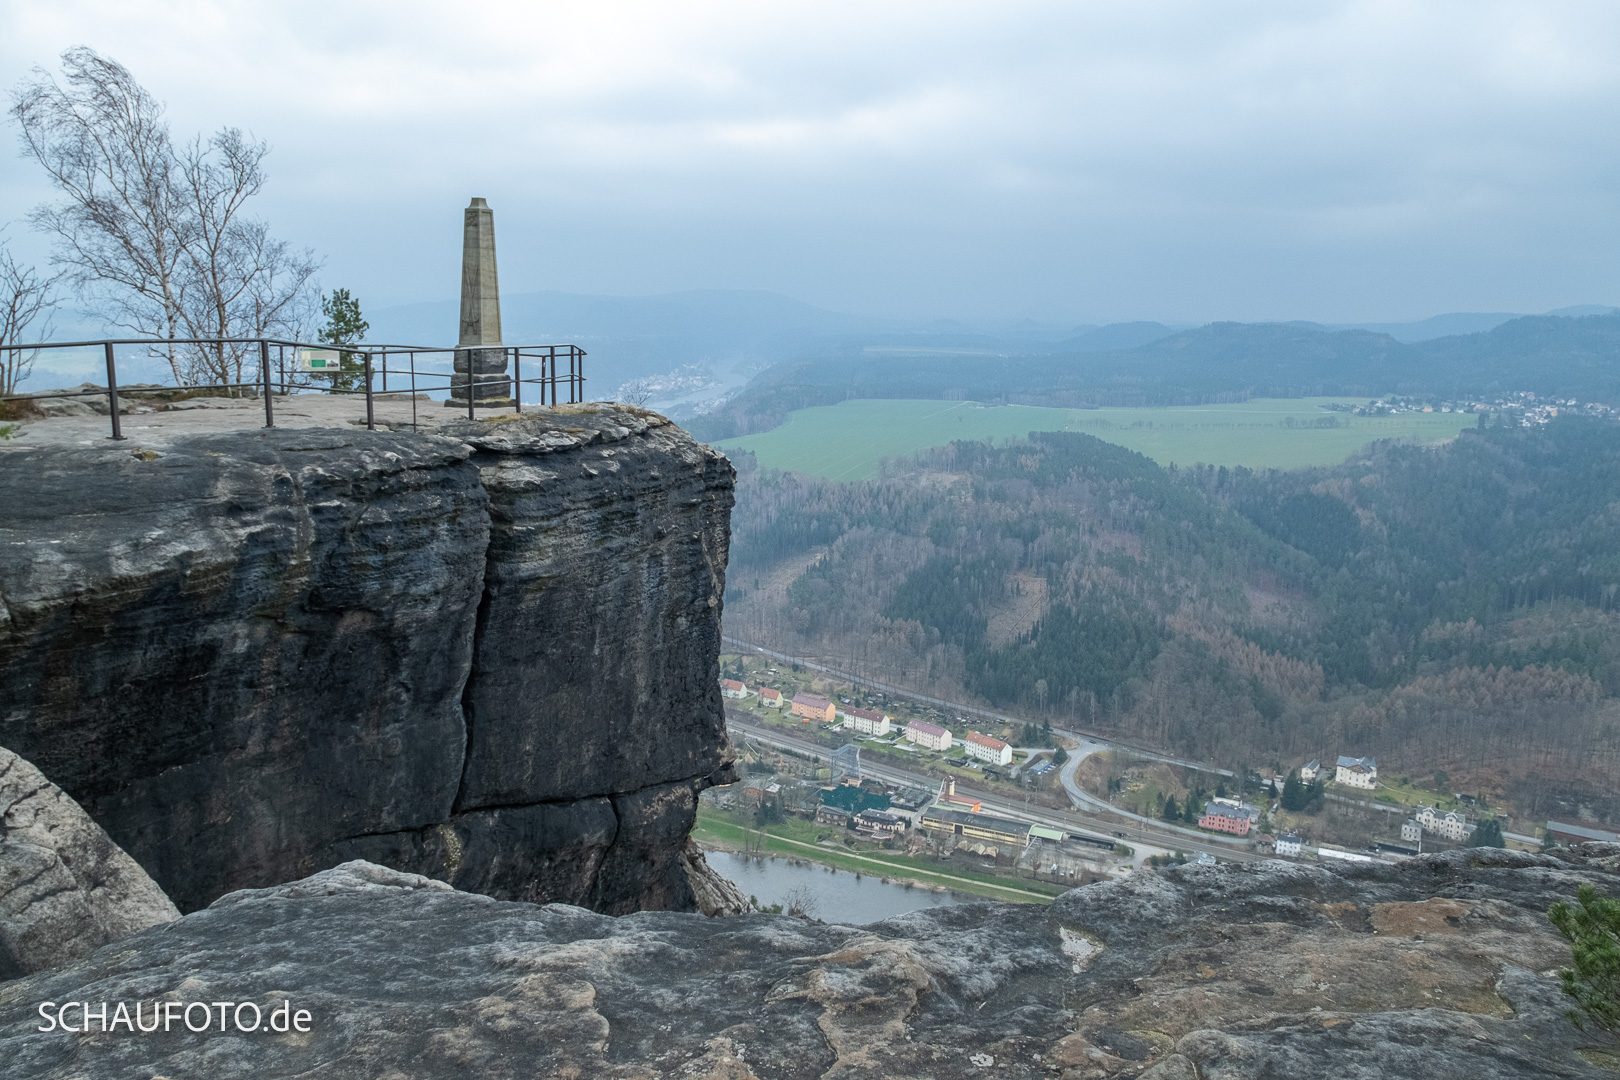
[
  {"x": 1447, "y": 823},
  {"x": 930, "y": 735},
  {"x": 1361, "y": 772},
  {"x": 987, "y": 749},
  {"x": 866, "y": 721}
]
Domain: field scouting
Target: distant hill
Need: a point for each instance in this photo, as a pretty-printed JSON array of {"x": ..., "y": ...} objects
[
  {"x": 1554, "y": 355},
  {"x": 1127, "y": 335}
]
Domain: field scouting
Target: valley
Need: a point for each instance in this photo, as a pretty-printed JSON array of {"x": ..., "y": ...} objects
[{"x": 853, "y": 439}]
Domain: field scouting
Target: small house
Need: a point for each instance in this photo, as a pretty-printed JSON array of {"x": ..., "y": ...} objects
[
  {"x": 731, "y": 688},
  {"x": 1290, "y": 845},
  {"x": 832, "y": 815},
  {"x": 876, "y": 823},
  {"x": 771, "y": 699},
  {"x": 1311, "y": 771}
]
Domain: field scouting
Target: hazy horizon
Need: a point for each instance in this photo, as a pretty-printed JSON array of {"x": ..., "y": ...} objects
[{"x": 1337, "y": 162}]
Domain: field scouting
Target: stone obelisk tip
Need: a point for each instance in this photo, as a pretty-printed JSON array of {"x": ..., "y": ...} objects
[
  {"x": 480, "y": 289},
  {"x": 479, "y": 351}
]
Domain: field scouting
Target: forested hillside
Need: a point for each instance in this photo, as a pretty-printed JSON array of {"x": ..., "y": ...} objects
[{"x": 1451, "y": 608}]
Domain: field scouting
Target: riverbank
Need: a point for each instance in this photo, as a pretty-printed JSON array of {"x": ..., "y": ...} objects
[{"x": 715, "y": 832}]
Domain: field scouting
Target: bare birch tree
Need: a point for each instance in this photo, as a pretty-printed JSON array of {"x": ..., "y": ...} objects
[
  {"x": 25, "y": 297},
  {"x": 158, "y": 240}
]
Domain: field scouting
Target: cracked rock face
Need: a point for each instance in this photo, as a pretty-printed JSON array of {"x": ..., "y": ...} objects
[
  {"x": 1219, "y": 973},
  {"x": 489, "y": 657},
  {"x": 65, "y": 888}
]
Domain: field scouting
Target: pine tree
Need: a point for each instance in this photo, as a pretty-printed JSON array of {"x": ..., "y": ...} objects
[
  {"x": 1171, "y": 811},
  {"x": 344, "y": 326},
  {"x": 1487, "y": 834},
  {"x": 1593, "y": 933},
  {"x": 1294, "y": 795}
]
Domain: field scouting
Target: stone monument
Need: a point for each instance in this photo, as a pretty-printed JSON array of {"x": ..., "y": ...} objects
[{"x": 478, "y": 349}]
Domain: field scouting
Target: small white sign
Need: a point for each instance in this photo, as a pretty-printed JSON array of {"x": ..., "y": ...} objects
[{"x": 322, "y": 360}]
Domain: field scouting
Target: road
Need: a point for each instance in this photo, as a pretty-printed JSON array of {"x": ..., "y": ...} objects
[
  {"x": 1154, "y": 839},
  {"x": 956, "y": 706},
  {"x": 1139, "y": 829}
]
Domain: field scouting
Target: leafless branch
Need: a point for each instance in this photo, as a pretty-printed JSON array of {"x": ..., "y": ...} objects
[
  {"x": 158, "y": 239},
  {"x": 25, "y": 296}
]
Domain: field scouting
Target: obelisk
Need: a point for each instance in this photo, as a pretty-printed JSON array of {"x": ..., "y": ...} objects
[{"x": 478, "y": 349}]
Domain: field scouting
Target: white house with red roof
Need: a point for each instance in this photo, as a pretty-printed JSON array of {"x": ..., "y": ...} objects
[
  {"x": 866, "y": 721},
  {"x": 987, "y": 749}
]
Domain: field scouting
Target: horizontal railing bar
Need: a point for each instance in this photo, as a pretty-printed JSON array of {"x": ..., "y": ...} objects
[{"x": 372, "y": 347}]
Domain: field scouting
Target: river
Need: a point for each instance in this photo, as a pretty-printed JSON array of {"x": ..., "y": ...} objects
[{"x": 837, "y": 895}]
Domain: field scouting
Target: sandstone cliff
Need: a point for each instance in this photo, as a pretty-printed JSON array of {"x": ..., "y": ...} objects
[
  {"x": 1438, "y": 968},
  {"x": 487, "y": 656}
]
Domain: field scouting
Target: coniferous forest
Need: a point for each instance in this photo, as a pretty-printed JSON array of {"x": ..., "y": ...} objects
[{"x": 1454, "y": 608}]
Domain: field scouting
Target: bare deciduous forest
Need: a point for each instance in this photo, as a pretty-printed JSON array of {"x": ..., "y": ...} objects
[{"x": 1453, "y": 608}]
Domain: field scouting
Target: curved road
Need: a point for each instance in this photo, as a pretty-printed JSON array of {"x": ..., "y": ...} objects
[{"x": 1146, "y": 830}]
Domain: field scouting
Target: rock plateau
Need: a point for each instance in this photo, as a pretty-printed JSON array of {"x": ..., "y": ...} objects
[{"x": 1437, "y": 968}]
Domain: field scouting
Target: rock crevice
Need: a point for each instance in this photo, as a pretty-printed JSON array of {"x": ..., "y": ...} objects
[{"x": 487, "y": 655}]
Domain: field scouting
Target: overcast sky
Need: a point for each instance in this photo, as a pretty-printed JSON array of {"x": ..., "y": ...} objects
[{"x": 1077, "y": 161}]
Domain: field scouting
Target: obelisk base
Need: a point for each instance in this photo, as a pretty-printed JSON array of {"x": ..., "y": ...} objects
[{"x": 491, "y": 389}]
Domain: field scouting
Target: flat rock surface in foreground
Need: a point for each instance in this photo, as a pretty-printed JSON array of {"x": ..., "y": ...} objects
[{"x": 1437, "y": 968}]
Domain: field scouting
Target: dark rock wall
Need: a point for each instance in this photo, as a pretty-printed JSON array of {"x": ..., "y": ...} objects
[{"x": 489, "y": 658}]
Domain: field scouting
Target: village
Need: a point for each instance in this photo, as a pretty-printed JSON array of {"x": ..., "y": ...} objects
[
  {"x": 825, "y": 803},
  {"x": 1523, "y": 407}
]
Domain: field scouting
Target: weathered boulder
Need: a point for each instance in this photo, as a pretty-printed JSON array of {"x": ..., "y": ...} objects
[
  {"x": 1438, "y": 968},
  {"x": 714, "y": 895},
  {"x": 65, "y": 888},
  {"x": 491, "y": 658}
]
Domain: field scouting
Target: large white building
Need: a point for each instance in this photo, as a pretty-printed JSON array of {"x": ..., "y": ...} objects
[
  {"x": 1446, "y": 823},
  {"x": 1412, "y": 830},
  {"x": 1290, "y": 844},
  {"x": 1361, "y": 772},
  {"x": 985, "y": 748},
  {"x": 866, "y": 721},
  {"x": 930, "y": 735}
]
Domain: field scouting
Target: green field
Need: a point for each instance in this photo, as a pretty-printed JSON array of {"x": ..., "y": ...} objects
[{"x": 847, "y": 441}]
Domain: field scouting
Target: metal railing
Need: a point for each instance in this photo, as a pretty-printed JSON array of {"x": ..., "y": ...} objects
[{"x": 373, "y": 360}]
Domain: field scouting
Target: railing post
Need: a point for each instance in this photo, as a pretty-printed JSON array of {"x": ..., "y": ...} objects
[
  {"x": 470, "y": 366},
  {"x": 517, "y": 378},
  {"x": 112, "y": 393},
  {"x": 371, "y": 419},
  {"x": 385, "y": 370},
  {"x": 264, "y": 374}
]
